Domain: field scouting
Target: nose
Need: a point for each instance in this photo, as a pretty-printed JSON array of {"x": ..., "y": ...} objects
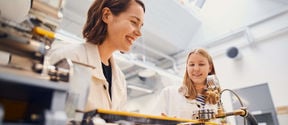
[
  {"x": 137, "y": 32},
  {"x": 196, "y": 67}
]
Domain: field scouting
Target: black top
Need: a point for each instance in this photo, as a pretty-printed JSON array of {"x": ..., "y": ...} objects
[{"x": 107, "y": 71}]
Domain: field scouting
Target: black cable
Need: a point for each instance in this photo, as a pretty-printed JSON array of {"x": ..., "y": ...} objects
[{"x": 251, "y": 119}]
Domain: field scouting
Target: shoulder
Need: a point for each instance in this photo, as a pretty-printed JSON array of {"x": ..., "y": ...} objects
[
  {"x": 173, "y": 89},
  {"x": 67, "y": 47},
  {"x": 59, "y": 51}
]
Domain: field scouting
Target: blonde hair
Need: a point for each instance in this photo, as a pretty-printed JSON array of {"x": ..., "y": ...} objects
[{"x": 187, "y": 82}]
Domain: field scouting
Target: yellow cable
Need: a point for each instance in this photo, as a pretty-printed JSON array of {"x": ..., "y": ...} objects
[{"x": 44, "y": 32}]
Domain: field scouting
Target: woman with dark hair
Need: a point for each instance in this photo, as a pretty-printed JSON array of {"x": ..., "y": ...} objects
[
  {"x": 111, "y": 25},
  {"x": 199, "y": 90}
]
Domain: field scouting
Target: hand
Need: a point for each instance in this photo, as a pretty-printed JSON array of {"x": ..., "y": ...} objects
[
  {"x": 163, "y": 114},
  {"x": 213, "y": 90},
  {"x": 212, "y": 96}
]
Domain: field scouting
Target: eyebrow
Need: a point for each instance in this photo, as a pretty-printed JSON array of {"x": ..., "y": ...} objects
[
  {"x": 138, "y": 19},
  {"x": 194, "y": 62}
]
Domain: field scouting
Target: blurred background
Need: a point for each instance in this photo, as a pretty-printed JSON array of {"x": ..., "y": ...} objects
[{"x": 248, "y": 40}]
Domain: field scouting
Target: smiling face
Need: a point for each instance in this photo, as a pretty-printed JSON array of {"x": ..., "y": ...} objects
[
  {"x": 198, "y": 68},
  {"x": 123, "y": 29}
]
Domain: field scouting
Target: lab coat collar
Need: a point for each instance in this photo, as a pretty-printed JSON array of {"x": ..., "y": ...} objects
[{"x": 93, "y": 58}]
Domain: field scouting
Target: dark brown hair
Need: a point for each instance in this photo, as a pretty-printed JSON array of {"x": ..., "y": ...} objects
[
  {"x": 192, "y": 94},
  {"x": 95, "y": 29}
]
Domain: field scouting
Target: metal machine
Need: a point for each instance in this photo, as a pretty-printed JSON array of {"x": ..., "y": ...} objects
[{"x": 31, "y": 91}]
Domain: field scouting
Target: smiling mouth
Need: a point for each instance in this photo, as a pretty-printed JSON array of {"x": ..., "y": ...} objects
[
  {"x": 197, "y": 75},
  {"x": 130, "y": 40}
]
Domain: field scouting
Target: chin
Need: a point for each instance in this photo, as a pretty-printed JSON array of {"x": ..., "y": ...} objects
[{"x": 124, "y": 50}]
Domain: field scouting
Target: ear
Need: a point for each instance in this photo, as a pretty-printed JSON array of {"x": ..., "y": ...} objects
[
  {"x": 106, "y": 14},
  {"x": 210, "y": 69}
]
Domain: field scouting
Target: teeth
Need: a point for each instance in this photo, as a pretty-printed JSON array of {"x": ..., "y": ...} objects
[
  {"x": 130, "y": 39},
  {"x": 197, "y": 75}
]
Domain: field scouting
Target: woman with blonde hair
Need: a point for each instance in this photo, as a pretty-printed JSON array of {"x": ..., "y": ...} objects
[{"x": 199, "y": 91}]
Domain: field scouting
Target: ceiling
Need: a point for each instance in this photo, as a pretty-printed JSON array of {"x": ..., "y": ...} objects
[{"x": 159, "y": 28}]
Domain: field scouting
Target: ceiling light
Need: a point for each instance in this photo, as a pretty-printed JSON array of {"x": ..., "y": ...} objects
[
  {"x": 139, "y": 89},
  {"x": 147, "y": 73}
]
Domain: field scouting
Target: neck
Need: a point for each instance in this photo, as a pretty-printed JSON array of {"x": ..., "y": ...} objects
[
  {"x": 199, "y": 88},
  {"x": 105, "y": 52}
]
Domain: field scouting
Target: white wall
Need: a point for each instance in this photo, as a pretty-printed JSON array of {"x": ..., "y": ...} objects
[
  {"x": 264, "y": 49},
  {"x": 266, "y": 62}
]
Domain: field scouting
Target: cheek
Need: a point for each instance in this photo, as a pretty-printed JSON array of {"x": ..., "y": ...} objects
[
  {"x": 116, "y": 26},
  {"x": 115, "y": 31},
  {"x": 111, "y": 29},
  {"x": 189, "y": 71},
  {"x": 207, "y": 71}
]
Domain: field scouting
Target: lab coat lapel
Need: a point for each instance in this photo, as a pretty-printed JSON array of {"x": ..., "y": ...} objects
[
  {"x": 94, "y": 60},
  {"x": 118, "y": 91}
]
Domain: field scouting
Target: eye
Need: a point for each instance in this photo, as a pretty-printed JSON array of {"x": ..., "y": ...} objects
[
  {"x": 133, "y": 22},
  {"x": 136, "y": 23},
  {"x": 191, "y": 64},
  {"x": 202, "y": 64}
]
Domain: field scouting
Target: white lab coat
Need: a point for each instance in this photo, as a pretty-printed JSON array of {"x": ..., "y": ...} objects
[
  {"x": 98, "y": 96},
  {"x": 173, "y": 104}
]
